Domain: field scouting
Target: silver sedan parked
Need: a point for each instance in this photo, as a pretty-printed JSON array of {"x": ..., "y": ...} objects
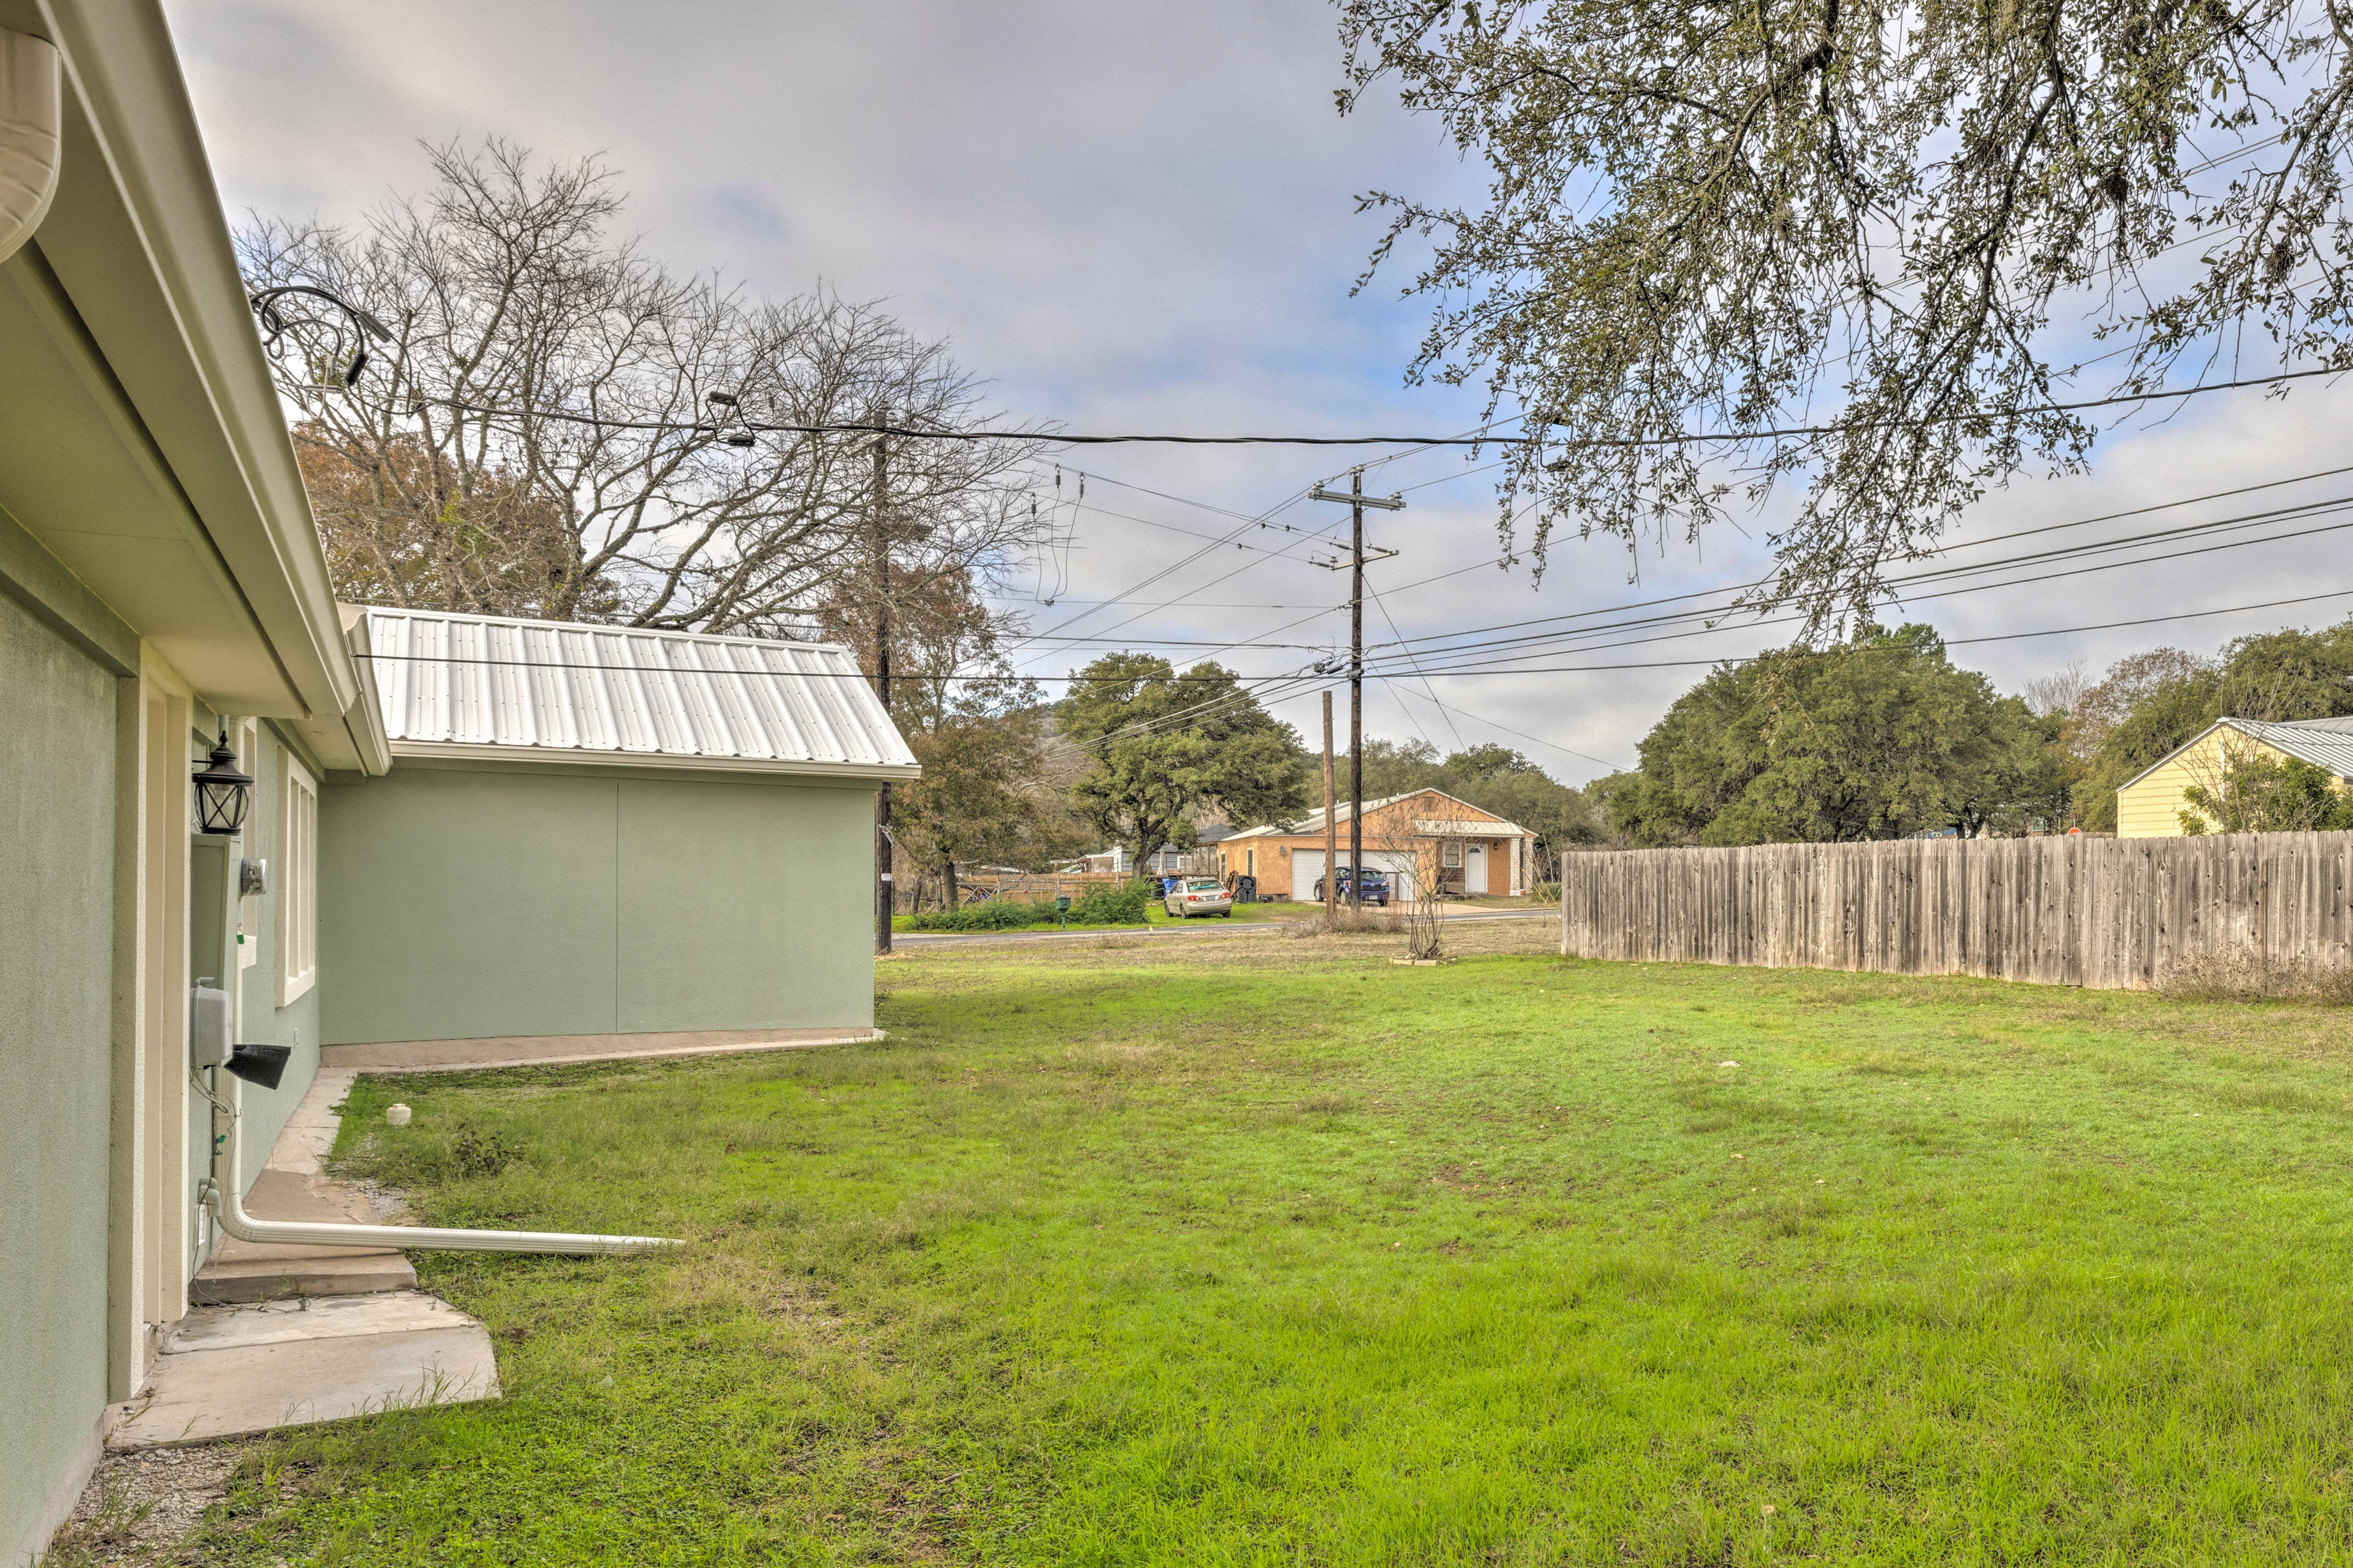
[{"x": 1200, "y": 895}]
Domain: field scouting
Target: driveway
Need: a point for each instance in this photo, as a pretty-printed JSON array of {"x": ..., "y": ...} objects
[{"x": 1191, "y": 927}]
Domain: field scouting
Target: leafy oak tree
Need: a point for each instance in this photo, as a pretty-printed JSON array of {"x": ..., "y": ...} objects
[
  {"x": 1878, "y": 737},
  {"x": 1160, "y": 744},
  {"x": 1884, "y": 230},
  {"x": 2152, "y": 703}
]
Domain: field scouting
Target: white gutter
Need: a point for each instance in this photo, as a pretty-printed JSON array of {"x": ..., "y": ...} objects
[
  {"x": 221, "y": 1197},
  {"x": 31, "y": 127}
]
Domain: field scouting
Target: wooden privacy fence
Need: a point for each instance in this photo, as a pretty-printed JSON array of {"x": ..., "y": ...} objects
[{"x": 2110, "y": 913}]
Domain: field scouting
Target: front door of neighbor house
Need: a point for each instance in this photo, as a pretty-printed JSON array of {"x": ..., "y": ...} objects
[{"x": 1475, "y": 869}]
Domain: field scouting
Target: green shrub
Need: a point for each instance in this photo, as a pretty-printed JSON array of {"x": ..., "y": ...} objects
[
  {"x": 1104, "y": 906},
  {"x": 996, "y": 914},
  {"x": 1112, "y": 906}
]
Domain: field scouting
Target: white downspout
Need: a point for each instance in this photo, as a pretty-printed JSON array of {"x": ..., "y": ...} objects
[
  {"x": 222, "y": 1196},
  {"x": 31, "y": 125}
]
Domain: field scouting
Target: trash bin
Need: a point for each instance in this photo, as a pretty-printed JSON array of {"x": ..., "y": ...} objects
[
  {"x": 1245, "y": 889},
  {"x": 1062, "y": 909}
]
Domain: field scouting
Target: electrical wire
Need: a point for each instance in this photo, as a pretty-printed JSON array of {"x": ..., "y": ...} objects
[
  {"x": 1015, "y": 680},
  {"x": 1524, "y": 736},
  {"x": 1427, "y": 689},
  {"x": 1963, "y": 544},
  {"x": 1558, "y": 639},
  {"x": 1948, "y": 642},
  {"x": 1423, "y": 442},
  {"x": 1260, "y": 519}
]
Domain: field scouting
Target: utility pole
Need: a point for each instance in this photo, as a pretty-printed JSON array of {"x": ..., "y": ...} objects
[
  {"x": 1331, "y": 824},
  {"x": 884, "y": 900},
  {"x": 1357, "y": 501}
]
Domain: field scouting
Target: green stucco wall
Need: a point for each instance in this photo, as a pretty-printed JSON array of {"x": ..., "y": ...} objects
[
  {"x": 457, "y": 903},
  {"x": 56, "y": 832}
]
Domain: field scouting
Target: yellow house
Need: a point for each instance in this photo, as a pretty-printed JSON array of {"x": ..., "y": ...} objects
[{"x": 2149, "y": 804}]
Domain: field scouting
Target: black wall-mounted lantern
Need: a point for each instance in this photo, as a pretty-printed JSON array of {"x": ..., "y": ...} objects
[{"x": 223, "y": 793}]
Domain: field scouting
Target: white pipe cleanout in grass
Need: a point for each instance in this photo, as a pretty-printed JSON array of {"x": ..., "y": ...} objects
[{"x": 222, "y": 1197}]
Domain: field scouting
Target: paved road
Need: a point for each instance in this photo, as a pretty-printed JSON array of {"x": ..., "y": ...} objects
[{"x": 915, "y": 939}]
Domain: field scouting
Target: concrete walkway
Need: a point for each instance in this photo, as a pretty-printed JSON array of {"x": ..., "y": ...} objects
[
  {"x": 294, "y": 1185},
  {"x": 232, "y": 1371},
  {"x": 292, "y": 1335},
  {"x": 562, "y": 1051}
]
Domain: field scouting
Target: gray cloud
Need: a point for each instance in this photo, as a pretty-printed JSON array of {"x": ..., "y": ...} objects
[{"x": 1127, "y": 218}]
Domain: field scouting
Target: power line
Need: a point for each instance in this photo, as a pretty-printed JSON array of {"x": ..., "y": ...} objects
[
  {"x": 1427, "y": 689},
  {"x": 1786, "y": 432},
  {"x": 1260, "y": 520},
  {"x": 1556, "y": 639},
  {"x": 1963, "y": 544},
  {"x": 1948, "y": 642},
  {"x": 1169, "y": 527},
  {"x": 1014, "y": 679},
  {"x": 1177, "y": 642},
  {"x": 1425, "y": 442},
  {"x": 1522, "y": 734}
]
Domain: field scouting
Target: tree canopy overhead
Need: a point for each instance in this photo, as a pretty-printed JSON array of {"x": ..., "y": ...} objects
[{"x": 1860, "y": 217}]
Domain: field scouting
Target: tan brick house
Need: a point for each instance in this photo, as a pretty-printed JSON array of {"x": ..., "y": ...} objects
[{"x": 1410, "y": 837}]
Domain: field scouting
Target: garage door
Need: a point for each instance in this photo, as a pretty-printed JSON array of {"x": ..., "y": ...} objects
[
  {"x": 1307, "y": 867},
  {"x": 1397, "y": 863}
]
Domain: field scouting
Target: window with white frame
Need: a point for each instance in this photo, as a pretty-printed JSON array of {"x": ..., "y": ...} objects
[
  {"x": 248, "y": 909},
  {"x": 297, "y": 879},
  {"x": 1450, "y": 854}
]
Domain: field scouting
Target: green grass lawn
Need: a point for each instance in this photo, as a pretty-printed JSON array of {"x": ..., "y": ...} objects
[{"x": 1189, "y": 1253}]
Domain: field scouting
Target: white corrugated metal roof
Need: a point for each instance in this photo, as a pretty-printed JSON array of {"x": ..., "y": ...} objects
[
  {"x": 453, "y": 685},
  {"x": 2323, "y": 742}
]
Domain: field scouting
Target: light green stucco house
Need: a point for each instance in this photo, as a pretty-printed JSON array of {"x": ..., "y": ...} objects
[
  {"x": 472, "y": 829},
  {"x": 591, "y": 831}
]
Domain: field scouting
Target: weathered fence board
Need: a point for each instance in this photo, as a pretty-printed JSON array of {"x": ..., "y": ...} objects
[{"x": 2109, "y": 913}]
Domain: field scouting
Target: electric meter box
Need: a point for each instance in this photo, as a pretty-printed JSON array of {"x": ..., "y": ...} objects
[{"x": 209, "y": 1025}]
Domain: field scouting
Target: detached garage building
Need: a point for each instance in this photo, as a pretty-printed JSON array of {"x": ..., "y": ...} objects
[
  {"x": 1424, "y": 832},
  {"x": 589, "y": 832}
]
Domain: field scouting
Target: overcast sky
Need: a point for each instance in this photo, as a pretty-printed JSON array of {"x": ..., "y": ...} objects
[{"x": 1143, "y": 217}]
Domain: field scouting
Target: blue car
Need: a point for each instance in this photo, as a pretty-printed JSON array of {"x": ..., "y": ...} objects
[{"x": 1377, "y": 887}]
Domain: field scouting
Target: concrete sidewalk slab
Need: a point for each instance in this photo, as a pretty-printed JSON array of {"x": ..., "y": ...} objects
[
  {"x": 254, "y": 1383},
  {"x": 287, "y": 1323},
  {"x": 291, "y": 1187},
  {"x": 565, "y": 1050},
  {"x": 360, "y": 1340}
]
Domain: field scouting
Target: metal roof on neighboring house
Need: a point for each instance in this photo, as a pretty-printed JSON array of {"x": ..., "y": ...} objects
[
  {"x": 2323, "y": 742},
  {"x": 486, "y": 686},
  {"x": 1451, "y": 828}
]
